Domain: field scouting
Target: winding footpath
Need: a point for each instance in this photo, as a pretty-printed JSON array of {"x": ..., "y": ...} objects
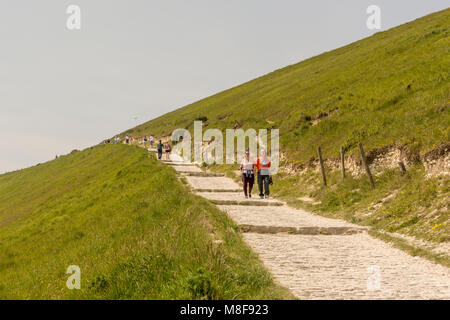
[{"x": 317, "y": 257}]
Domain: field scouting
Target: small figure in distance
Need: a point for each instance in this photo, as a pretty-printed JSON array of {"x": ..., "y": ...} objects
[
  {"x": 159, "y": 148},
  {"x": 168, "y": 149}
]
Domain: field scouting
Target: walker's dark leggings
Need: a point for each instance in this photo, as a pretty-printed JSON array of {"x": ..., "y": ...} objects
[
  {"x": 263, "y": 185},
  {"x": 250, "y": 180}
]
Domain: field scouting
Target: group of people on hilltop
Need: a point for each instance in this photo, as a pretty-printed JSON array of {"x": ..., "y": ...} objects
[
  {"x": 150, "y": 140},
  {"x": 130, "y": 140},
  {"x": 115, "y": 140},
  {"x": 262, "y": 168}
]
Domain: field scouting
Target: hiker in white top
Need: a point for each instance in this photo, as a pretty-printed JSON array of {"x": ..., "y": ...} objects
[{"x": 248, "y": 174}]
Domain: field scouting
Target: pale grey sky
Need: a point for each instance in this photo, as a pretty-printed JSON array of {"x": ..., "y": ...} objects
[{"x": 62, "y": 90}]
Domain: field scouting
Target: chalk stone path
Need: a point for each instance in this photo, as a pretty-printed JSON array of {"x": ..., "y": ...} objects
[
  {"x": 322, "y": 266},
  {"x": 212, "y": 183}
]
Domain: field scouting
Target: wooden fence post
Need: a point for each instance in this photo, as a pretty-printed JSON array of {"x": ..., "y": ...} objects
[
  {"x": 366, "y": 166},
  {"x": 324, "y": 178},
  {"x": 402, "y": 167},
  {"x": 342, "y": 163}
]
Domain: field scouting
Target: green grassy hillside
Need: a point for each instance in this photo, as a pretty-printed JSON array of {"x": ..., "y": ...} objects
[
  {"x": 391, "y": 88},
  {"x": 129, "y": 224}
]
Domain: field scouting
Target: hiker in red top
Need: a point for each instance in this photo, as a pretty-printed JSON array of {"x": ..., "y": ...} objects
[{"x": 263, "y": 166}]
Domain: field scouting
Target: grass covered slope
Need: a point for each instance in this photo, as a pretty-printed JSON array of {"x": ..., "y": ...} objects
[
  {"x": 129, "y": 224},
  {"x": 388, "y": 91},
  {"x": 390, "y": 88}
]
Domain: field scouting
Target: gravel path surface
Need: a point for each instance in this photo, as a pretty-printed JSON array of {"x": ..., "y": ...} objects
[
  {"x": 234, "y": 196},
  {"x": 187, "y": 168},
  {"x": 280, "y": 217},
  {"x": 348, "y": 267},
  {"x": 223, "y": 183},
  {"x": 354, "y": 266}
]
